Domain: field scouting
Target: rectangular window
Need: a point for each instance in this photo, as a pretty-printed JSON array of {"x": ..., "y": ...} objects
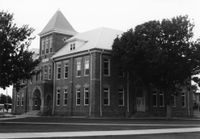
[
  {"x": 18, "y": 100},
  {"x": 121, "y": 97},
  {"x": 22, "y": 99},
  {"x": 173, "y": 99},
  {"x": 72, "y": 46},
  {"x": 37, "y": 76},
  {"x": 47, "y": 45},
  {"x": 65, "y": 96},
  {"x": 58, "y": 97},
  {"x": 161, "y": 99},
  {"x": 50, "y": 44},
  {"x": 49, "y": 72},
  {"x": 66, "y": 68},
  {"x": 78, "y": 67},
  {"x": 106, "y": 66},
  {"x": 86, "y": 66},
  {"x": 43, "y": 46},
  {"x": 78, "y": 97},
  {"x": 41, "y": 77},
  {"x": 121, "y": 73},
  {"x": 86, "y": 96},
  {"x": 58, "y": 71},
  {"x": 45, "y": 72},
  {"x": 154, "y": 99},
  {"x": 183, "y": 99},
  {"x": 106, "y": 98}
]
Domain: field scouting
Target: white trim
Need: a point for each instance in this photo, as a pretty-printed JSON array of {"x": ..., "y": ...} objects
[
  {"x": 50, "y": 71},
  {"x": 85, "y": 96},
  {"x": 57, "y": 96},
  {"x": 58, "y": 65},
  {"x": 155, "y": 94},
  {"x": 88, "y": 62},
  {"x": 66, "y": 62},
  {"x": 65, "y": 92},
  {"x": 183, "y": 94},
  {"x": 106, "y": 75},
  {"x": 108, "y": 96},
  {"x": 121, "y": 91},
  {"x": 174, "y": 99},
  {"x": 78, "y": 90},
  {"x": 22, "y": 99},
  {"x": 78, "y": 60},
  {"x": 163, "y": 98}
]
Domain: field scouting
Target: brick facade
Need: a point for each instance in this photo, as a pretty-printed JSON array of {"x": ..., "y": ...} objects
[{"x": 61, "y": 86}]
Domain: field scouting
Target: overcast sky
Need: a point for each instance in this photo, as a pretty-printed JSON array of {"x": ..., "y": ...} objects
[{"x": 89, "y": 14}]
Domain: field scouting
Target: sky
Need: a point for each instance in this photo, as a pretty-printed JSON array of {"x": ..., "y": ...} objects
[{"x": 85, "y": 15}]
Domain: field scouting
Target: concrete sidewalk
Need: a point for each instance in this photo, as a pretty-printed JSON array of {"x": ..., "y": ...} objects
[{"x": 96, "y": 133}]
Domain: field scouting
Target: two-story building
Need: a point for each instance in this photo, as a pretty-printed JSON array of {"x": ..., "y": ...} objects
[{"x": 77, "y": 77}]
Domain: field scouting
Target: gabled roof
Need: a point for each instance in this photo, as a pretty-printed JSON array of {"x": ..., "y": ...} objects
[
  {"x": 101, "y": 38},
  {"x": 59, "y": 24}
]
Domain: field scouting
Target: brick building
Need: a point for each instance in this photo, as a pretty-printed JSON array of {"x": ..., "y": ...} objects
[{"x": 78, "y": 78}]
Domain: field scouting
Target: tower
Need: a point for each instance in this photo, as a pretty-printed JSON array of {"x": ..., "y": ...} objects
[{"x": 52, "y": 38}]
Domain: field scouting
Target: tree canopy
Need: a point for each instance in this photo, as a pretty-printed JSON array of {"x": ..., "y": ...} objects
[
  {"x": 162, "y": 54},
  {"x": 16, "y": 62},
  {"x": 5, "y": 99}
]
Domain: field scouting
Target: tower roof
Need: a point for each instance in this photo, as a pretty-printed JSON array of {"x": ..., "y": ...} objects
[{"x": 59, "y": 24}]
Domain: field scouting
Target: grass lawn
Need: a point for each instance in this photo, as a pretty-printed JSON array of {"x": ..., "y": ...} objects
[{"x": 20, "y": 127}]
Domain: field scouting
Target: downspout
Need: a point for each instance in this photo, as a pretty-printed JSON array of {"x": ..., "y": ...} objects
[
  {"x": 71, "y": 83},
  {"x": 54, "y": 81},
  {"x": 90, "y": 104},
  {"x": 100, "y": 90}
]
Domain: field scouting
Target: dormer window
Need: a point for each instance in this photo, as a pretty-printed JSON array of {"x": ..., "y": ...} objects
[{"x": 72, "y": 46}]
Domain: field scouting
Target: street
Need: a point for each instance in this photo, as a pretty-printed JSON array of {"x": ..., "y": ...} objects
[{"x": 60, "y": 127}]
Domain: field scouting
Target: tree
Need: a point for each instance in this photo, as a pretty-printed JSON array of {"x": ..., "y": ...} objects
[
  {"x": 5, "y": 99},
  {"x": 160, "y": 54},
  {"x": 16, "y": 62}
]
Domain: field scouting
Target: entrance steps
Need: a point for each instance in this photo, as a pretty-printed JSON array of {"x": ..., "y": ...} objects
[
  {"x": 33, "y": 113},
  {"x": 196, "y": 113},
  {"x": 141, "y": 114}
]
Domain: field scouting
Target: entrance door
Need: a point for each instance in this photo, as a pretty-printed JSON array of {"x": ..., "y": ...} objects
[
  {"x": 140, "y": 104},
  {"x": 36, "y": 100}
]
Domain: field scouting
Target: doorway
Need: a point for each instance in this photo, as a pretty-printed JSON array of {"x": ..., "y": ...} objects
[{"x": 36, "y": 100}]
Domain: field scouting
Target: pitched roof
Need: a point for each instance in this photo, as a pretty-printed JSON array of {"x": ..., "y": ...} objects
[
  {"x": 58, "y": 23},
  {"x": 101, "y": 38}
]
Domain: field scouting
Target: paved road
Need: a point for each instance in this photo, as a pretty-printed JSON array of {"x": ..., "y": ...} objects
[{"x": 97, "y": 133}]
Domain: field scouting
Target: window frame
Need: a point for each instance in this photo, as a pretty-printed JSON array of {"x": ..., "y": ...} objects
[
  {"x": 65, "y": 97},
  {"x": 18, "y": 100},
  {"x": 106, "y": 60},
  {"x": 66, "y": 63},
  {"x": 154, "y": 94},
  {"x": 183, "y": 94},
  {"x": 22, "y": 99},
  {"x": 78, "y": 91},
  {"x": 46, "y": 70},
  {"x": 58, "y": 98},
  {"x": 86, "y": 67},
  {"x": 106, "y": 97},
  {"x": 121, "y": 91},
  {"x": 173, "y": 97},
  {"x": 161, "y": 94},
  {"x": 86, "y": 98},
  {"x": 58, "y": 66},
  {"x": 49, "y": 72},
  {"x": 78, "y": 64}
]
